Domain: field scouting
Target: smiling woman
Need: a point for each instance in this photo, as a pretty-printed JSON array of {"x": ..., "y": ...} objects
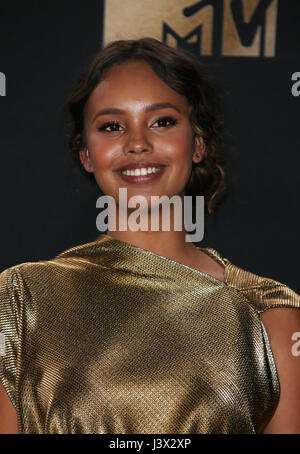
[
  {"x": 172, "y": 87},
  {"x": 141, "y": 331}
]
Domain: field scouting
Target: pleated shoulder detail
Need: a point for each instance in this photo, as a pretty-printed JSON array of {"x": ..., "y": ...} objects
[{"x": 264, "y": 293}]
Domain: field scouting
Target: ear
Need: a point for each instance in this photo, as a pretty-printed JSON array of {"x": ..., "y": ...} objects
[
  {"x": 199, "y": 149},
  {"x": 85, "y": 160}
]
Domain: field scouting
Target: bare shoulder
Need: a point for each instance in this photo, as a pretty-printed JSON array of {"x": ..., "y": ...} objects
[
  {"x": 283, "y": 328},
  {"x": 8, "y": 414}
]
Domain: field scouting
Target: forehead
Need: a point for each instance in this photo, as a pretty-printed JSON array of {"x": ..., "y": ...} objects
[{"x": 132, "y": 82}]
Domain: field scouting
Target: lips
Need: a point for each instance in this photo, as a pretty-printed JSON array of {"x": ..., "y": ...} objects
[
  {"x": 143, "y": 179},
  {"x": 140, "y": 165}
]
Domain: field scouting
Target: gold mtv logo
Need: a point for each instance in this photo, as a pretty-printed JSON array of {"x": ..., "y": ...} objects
[{"x": 206, "y": 27}]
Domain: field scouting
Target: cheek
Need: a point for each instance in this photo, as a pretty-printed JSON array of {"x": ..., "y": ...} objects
[
  {"x": 103, "y": 151},
  {"x": 100, "y": 160},
  {"x": 178, "y": 149}
]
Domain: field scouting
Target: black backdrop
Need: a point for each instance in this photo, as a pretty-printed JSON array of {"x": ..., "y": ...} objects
[{"x": 48, "y": 206}]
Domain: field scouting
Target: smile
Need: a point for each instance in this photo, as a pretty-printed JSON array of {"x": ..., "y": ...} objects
[
  {"x": 141, "y": 171},
  {"x": 142, "y": 175}
]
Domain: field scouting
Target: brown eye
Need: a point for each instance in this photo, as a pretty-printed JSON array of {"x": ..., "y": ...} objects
[
  {"x": 113, "y": 125},
  {"x": 165, "y": 122}
]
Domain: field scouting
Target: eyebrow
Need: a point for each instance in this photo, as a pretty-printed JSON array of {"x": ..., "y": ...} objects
[{"x": 149, "y": 108}]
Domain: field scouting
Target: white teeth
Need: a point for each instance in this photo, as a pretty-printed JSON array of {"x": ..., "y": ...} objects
[{"x": 142, "y": 171}]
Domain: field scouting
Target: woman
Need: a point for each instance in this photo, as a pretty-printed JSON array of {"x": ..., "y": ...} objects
[{"x": 141, "y": 331}]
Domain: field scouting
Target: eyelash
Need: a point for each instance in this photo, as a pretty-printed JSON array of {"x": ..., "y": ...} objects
[{"x": 171, "y": 120}]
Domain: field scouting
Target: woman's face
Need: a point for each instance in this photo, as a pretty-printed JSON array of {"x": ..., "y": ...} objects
[{"x": 133, "y": 117}]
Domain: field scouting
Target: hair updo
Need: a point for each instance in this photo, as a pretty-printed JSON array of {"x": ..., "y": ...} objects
[{"x": 184, "y": 74}]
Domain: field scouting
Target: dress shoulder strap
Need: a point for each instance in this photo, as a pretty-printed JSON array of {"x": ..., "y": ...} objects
[
  {"x": 264, "y": 293},
  {"x": 214, "y": 254}
]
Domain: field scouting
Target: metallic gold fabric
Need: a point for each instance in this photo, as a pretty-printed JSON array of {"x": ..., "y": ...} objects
[{"x": 111, "y": 338}]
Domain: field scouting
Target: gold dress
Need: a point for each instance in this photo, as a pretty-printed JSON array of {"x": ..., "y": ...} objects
[{"x": 110, "y": 338}]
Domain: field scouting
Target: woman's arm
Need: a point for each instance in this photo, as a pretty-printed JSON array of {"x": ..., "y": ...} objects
[
  {"x": 281, "y": 324},
  {"x": 8, "y": 414}
]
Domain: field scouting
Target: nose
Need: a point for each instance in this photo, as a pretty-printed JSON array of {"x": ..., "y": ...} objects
[{"x": 137, "y": 143}]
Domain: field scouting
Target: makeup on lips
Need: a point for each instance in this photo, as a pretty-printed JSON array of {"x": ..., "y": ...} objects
[{"x": 142, "y": 172}]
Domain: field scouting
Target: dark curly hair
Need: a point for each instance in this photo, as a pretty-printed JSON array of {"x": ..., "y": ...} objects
[{"x": 179, "y": 70}]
